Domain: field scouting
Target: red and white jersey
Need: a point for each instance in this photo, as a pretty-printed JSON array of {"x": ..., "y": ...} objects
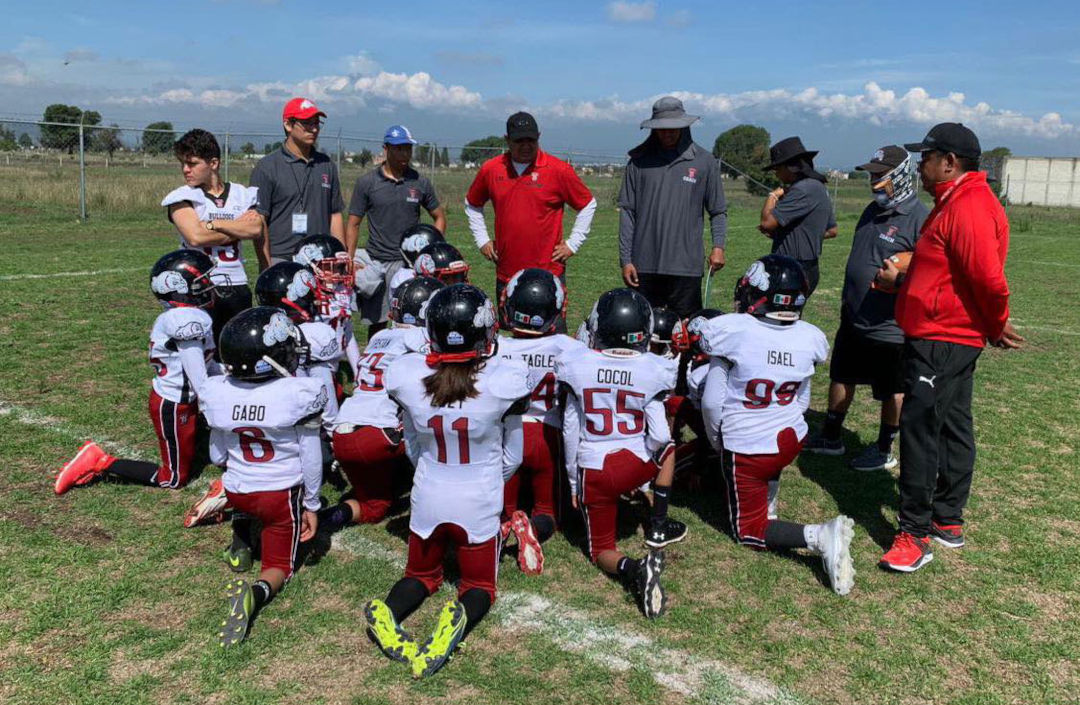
[
  {"x": 233, "y": 202},
  {"x": 695, "y": 382},
  {"x": 415, "y": 338},
  {"x": 540, "y": 354},
  {"x": 173, "y": 330},
  {"x": 369, "y": 404},
  {"x": 615, "y": 402},
  {"x": 323, "y": 341},
  {"x": 768, "y": 378},
  {"x": 463, "y": 453},
  {"x": 264, "y": 430}
]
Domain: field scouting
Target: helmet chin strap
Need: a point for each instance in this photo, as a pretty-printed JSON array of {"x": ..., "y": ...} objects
[{"x": 276, "y": 365}]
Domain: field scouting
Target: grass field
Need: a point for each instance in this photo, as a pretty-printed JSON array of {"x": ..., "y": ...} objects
[{"x": 106, "y": 599}]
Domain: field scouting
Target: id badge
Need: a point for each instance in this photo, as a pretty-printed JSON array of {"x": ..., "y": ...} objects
[{"x": 299, "y": 223}]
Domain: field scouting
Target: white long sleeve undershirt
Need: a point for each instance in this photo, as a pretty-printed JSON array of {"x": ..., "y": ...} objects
[{"x": 578, "y": 233}]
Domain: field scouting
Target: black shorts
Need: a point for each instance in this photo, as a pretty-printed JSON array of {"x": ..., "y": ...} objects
[
  {"x": 857, "y": 359},
  {"x": 678, "y": 293}
]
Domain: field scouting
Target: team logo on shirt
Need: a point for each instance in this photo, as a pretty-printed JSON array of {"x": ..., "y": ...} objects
[
  {"x": 192, "y": 330},
  {"x": 691, "y": 175},
  {"x": 169, "y": 282},
  {"x": 277, "y": 330},
  {"x": 319, "y": 402},
  {"x": 326, "y": 181},
  {"x": 413, "y": 197}
]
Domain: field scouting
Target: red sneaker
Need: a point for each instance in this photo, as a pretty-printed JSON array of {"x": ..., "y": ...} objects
[
  {"x": 530, "y": 553},
  {"x": 908, "y": 553},
  {"x": 87, "y": 464},
  {"x": 948, "y": 535},
  {"x": 210, "y": 509}
]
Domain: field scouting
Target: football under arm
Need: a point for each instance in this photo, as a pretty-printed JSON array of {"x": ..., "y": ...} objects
[
  {"x": 572, "y": 438},
  {"x": 712, "y": 400},
  {"x": 193, "y": 360},
  {"x": 310, "y": 462}
]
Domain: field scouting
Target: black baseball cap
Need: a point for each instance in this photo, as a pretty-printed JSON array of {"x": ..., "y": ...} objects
[
  {"x": 884, "y": 160},
  {"x": 949, "y": 137},
  {"x": 522, "y": 125}
]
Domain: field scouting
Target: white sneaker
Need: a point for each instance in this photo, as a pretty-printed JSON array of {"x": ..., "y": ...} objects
[
  {"x": 834, "y": 546},
  {"x": 774, "y": 491}
]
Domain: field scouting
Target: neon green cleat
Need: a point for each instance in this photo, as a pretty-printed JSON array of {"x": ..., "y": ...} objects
[
  {"x": 440, "y": 646},
  {"x": 238, "y": 559},
  {"x": 394, "y": 641},
  {"x": 234, "y": 628}
]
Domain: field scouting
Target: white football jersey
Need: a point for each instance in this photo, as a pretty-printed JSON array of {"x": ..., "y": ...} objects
[
  {"x": 323, "y": 341},
  {"x": 369, "y": 404},
  {"x": 460, "y": 450},
  {"x": 615, "y": 402},
  {"x": 768, "y": 378},
  {"x": 540, "y": 354},
  {"x": 173, "y": 326},
  {"x": 695, "y": 382},
  {"x": 258, "y": 426},
  {"x": 233, "y": 202}
]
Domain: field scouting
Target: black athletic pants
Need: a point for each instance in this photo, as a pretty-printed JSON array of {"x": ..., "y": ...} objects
[
  {"x": 680, "y": 294},
  {"x": 230, "y": 301},
  {"x": 937, "y": 435},
  {"x": 810, "y": 268}
]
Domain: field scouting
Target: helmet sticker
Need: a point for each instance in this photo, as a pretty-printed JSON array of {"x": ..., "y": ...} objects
[
  {"x": 409, "y": 319},
  {"x": 512, "y": 284},
  {"x": 425, "y": 264},
  {"x": 594, "y": 319},
  {"x": 757, "y": 276},
  {"x": 422, "y": 313},
  {"x": 782, "y": 299},
  {"x": 415, "y": 242},
  {"x": 278, "y": 330},
  {"x": 302, "y": 283},
  {"x": 308, "y": 255},
  {"x": 560, "y": 294},
  {"x": 169, "y": 282},
  {"x": 454, "y": 338},
  {"x": 635, "y": 337},
  {"x": 536, "y": 321},
  {"x": 800, "y": 300},
  {"x": 485, "y": 315}
]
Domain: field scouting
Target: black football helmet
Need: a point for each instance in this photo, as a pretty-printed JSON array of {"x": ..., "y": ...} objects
[
  {"x": 410, "y": 301},
  {"x": 289, "y": 286},
  {"x": 261, "y": 343},
  {"x": 686, "y": 335},
  {"x": 444, "y": 262},
  {"x": 416, "y": 238},
  {"x": 533, "y": 301},
  {"x": 329, "y": 262},
  {"x": 774, "y": 287},
  {"x": 182, "y": 278},
  {"x": 460, "y": 324},
  {"x": 621, "y": 318}
]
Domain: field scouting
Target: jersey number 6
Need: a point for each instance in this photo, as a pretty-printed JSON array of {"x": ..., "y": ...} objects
[{"x": 250, "y": 438}]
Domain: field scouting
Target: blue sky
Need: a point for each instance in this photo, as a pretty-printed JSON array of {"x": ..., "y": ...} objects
[{"x": 847, "y": 76}]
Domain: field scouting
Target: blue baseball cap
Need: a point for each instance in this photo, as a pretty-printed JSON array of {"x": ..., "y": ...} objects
[{"x": 398, "y": 134}]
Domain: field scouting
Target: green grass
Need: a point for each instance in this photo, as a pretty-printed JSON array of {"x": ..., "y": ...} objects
[{"x": 107, "y": 600}]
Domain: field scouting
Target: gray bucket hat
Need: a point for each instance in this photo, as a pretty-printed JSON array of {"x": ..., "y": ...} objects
[{"x": 668, "y": 114}]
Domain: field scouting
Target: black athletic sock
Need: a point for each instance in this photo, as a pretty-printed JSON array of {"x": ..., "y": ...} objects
[
  {"x": 335, "y": 518},
  {"x": 627, "y": 569},
  {"x": 834, "y": 425},
  {"x": 241, "y": 531},
  {"x": 262, "y": 592},
  {"x": 405, "y": 597},
  {"x": 476, "y": 602},
  {"x": 135, "y": 471},
  {"x": 543, "y": 527},
  {"x": 660, "y": 504},
  {"x": 885, "y": 436},
  {"x": 784, "y": 534}
]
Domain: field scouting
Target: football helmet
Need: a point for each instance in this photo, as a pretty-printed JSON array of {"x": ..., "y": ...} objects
[
  {"x": 415, "y": 239},
  {"x": 621, "y": 319},
  {"x": 409, "y": 304},
  {"x": 774, "y": 287},
  {"x": 460, "y": 324},
  {"x": 331, "y": 265},
  {"x": 289, "y": 286},
  {"x": 261, "y": 343},
  {"x": 686, "y": 335},
  {"x": 182, "y": 278},
  {"x": 533, "y": 301},
  {"x": 444, "y": 262}
]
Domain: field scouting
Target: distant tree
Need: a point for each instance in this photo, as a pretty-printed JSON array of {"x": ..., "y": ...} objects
[
  {"x": 745, "y": 148},
  {"x": 479, "y": 151},
  {"x": 422, "y": 154},
  {"x": 158, "y": 142},
  {"x": 247, "y": 148},
  {"x": 65, "y": 136},
  {"x": 267, "y": 148},
  {"x": 365, "y": 157},
  {"x": 26, "y": 141},
  {"x": 106, "y": 139},
  {"x": 444, "y": 157},
  {"x": 7, "y": 140},
  {"x": 993, "y": 163}
]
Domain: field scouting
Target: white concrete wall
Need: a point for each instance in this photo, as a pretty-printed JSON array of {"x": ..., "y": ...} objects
[{"x": 1043, "y": 181}]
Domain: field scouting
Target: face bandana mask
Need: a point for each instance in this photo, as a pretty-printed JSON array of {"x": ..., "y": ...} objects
[{"x": 894, "y": 186}]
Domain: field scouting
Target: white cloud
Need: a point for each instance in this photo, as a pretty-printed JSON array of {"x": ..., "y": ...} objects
[
  {"x": 361, "y": 64},
  {"x": 13, "y": 71},
  {"x": 622, "y": 11},
  {"x": 80, "y": 55}
]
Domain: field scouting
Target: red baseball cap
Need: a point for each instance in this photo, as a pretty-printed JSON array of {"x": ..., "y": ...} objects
[{"x": 301, "y": 109}]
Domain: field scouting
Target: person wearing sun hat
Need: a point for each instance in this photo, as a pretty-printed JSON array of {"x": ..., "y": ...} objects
[
  {"x": 299, "y": 190},
  {"x": 669, "y": 184}
]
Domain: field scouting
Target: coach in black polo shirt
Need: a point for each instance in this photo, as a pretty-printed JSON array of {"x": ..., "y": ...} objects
[
  {"x": 299, "y": 191},
  {"x": 869, "y": 343},
  {"x": 390, "y": 196},
  {"x": 798, "y": 216}
]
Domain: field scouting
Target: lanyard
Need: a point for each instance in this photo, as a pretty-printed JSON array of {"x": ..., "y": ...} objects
[{"x": 308, "y": 167}]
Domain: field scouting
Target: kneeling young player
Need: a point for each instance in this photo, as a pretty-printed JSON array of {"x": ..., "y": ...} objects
[
  {"x": 181, "y": 343},
  {"x": 462, "y": 417},
  {"x": 264, "y": 425},
  {"x": 756, "y": 392},
  {"x": 617, "y": 438},
  {"x": 335, "y": 293}
]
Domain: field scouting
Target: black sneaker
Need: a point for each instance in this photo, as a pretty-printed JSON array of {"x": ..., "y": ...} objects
[
  {"x": 670, "y": 531},
  {"x": 650, "y": 591},
  {"x": 948, "y": 535},
  {"x": 821, "y": 445}
]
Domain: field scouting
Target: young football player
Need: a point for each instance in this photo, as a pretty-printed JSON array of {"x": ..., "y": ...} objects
[
  {"x": 685, "y": 411},
  {"x": 215, "y": 217},
  {"x": 264, "y": 428},
  {"x": 616, "y": 438},
  {"x": 181, "y": 344},
  {"x": 756, "y": 392},
  {"x": 413, "y": 242},
  {"x": 462, "y": 419},
  {"x": 334, "y": 292},
  {"x": 444, "y": 262},
  {"x": 533, "y": 303},
  {"x": 368, "y": 438},
  {"x": 664, "y": 320}
]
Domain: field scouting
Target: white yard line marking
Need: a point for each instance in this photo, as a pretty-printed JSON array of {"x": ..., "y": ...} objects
[
  {"x": 91, "y": 273},
  {"x": 1043, "y": 264},
  {"x": 74, "y": 433}
]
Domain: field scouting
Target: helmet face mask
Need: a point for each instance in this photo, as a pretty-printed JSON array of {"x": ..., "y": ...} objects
[
  {"x": 461, "y": 324},
  {"x": 334, "y": 270},
  {"x": 686, "y": 335},
  {"x": 409, "y": 304},
  {"x": 660, "y": 342},
  {"x": 533, "y": 302},
  {"x": 621, "y": 322},
  {"x": 261, "y": 343},
  {"x": 184, "y": 278},
  {"x": 774, "y": 287}
]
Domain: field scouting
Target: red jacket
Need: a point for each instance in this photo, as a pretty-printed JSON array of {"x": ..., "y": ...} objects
[{"x": 955, "y": 289}]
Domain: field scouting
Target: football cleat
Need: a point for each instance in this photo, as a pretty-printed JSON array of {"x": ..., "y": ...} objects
[
  {"x": 669, "y": 532},
  {"x": 440, "y": 646},
  {"x": 820, "y": 445},
  {"x": 651, "y": 592},
  {"x": 834, "y": 546},
  {"x": 948, "y": 535},
  {"x": 238, "y": 558},
  {"x": 87, "y": 464},
  {"x": 530, "y": 553},
  {"x": 871, "y": 458},
  {"x": 210, "y": 509},
  {"x": 394, "y": 641},
  {"x": 234, "y": 628},
  {"x": 908, "y": 553}
]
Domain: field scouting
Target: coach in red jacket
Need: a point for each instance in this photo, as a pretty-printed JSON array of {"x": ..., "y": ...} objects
[{"x": 953, "y": 300}]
